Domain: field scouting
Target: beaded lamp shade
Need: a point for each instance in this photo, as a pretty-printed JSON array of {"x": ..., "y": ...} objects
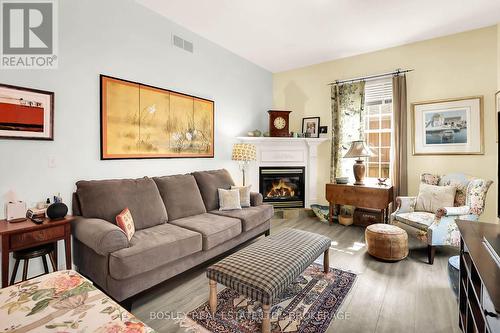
[{"x": 244, "y": 152}]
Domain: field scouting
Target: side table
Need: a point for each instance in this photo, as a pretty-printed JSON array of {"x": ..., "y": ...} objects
[
  {"x": 369, "y": 195},
  {"x": 26, "y": 234}
]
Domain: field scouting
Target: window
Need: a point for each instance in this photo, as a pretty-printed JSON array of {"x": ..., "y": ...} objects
[{"x": 378, "y": 126}]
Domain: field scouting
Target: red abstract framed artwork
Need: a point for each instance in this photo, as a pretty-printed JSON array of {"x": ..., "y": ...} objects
[{"x": 26, "y": 113}]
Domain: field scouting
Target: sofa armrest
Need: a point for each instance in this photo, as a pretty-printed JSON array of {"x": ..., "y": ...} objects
[
  {"x": 405, "y": 204},
  {"x": 256, "y": 199},
  {"x": 101, "y": 236},
  {"x": 452, "y": 211}
]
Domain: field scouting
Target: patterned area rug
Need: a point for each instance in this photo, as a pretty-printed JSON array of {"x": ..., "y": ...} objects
[{"x": 308, "y": 305}]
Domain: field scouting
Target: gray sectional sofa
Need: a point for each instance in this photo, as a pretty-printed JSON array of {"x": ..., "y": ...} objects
[{"x": 178, "y": 226}]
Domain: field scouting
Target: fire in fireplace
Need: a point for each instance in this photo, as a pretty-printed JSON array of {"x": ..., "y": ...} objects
[{"x": 283, "y": 187}]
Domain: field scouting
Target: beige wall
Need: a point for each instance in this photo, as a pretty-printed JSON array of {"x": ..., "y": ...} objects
[{"x": 459, "y": 65}]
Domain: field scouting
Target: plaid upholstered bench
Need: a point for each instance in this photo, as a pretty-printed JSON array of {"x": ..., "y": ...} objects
[{"x": 264, "y": 269}]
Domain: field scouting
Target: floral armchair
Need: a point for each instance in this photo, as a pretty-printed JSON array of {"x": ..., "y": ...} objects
[{"x": 439, "y": 228}]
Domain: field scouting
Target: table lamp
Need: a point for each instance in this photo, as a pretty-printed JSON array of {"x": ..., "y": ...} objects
[
  {"x": 244, "y": 153},
  {"x": 358, "y": 150}
]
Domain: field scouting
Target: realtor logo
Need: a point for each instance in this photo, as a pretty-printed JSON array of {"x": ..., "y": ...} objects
[{"x": 29, "y": 36}]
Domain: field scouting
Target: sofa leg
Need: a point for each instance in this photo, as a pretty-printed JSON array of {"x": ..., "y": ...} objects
[
  {"x": 267, "y": 233},
  {"x": 431, "y": 251}
]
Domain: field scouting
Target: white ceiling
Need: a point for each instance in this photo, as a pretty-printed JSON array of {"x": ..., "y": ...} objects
[{"x": 285, "y": 34}]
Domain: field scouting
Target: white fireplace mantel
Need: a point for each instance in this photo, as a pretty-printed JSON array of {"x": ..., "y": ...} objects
[{"x": 273, "y": 151}]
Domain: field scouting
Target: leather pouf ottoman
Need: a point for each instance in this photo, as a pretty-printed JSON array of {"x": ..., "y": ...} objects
[{"x": 386, "y": 241}]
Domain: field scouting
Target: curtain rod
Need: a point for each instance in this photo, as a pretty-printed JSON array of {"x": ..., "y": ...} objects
[{"x": 370, "y": 77}]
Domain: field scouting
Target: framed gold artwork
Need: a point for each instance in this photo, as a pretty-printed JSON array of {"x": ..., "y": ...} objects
[
  {"x": 141, "y": 121},
  {"x": 448, "y": 127}
]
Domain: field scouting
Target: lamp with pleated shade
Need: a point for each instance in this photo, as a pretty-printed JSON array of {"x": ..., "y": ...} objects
[
  {"x": 358, "y": 150},
  {"x": 244, "y": 153}
]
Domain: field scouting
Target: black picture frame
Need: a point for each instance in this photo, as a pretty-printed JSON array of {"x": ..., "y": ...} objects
[
  {"x": 49, "y": 94},
  {"x": 103, "y": 155},
  {"x": 307, "y": 121}
]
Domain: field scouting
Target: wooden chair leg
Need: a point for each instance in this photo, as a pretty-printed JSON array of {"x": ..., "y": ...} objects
[
  {"x": 14, "y": 272},
  {"x": 45, "y": 266},
  {"x": 431, "y": 251},
  {"x": 266, "y": 318},
  {"x": 326, "y": 261},
  {"x": 53, "y": 261},
  {"x": 212, "y": 299},
  {"x": 25, "y": 270}
]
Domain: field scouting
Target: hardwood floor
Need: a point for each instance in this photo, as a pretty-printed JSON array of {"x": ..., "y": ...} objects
[{"x": 406, "y": 296}]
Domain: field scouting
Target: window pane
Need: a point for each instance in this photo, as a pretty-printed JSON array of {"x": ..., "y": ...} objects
[
  {"x": 373, "y": 109},
  {"x": 386, "y": 122},
  {"x": 374, "y": 158},
  {"x": 372, "y": 170},
  {"x": 385, "y": 139},
  {"x": 386, "y": 109},
  {"x": 385, "y": 155},
  {"x": 373, "y": 140},
  {"x": 384, "y": 170},
  {"x": 374, "y": 123}
]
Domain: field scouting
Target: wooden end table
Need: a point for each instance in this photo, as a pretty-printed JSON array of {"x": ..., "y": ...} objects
[
  {"x": 371, "y": 195},
  {"x": 22, "y": 235}
]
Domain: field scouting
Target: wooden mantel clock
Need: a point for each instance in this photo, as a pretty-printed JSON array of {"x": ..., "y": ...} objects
[{"x": 278, "y": 122}]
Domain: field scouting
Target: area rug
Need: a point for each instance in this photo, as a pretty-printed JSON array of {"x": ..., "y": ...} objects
[{"x": 308, "y": 305}]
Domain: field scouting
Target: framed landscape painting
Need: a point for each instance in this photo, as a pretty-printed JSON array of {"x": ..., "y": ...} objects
[
  {"x": 448, "y": 127},
  {"x": 26, "y": 113},
  {"x": 141, "y": 121}
]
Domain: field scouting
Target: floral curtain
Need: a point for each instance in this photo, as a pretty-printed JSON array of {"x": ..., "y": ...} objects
[{"x": 348, "y": 101}]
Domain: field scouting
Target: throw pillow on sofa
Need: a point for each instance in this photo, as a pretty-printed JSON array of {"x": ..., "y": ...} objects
[
  {"x": 125, "y": 221},
  {"x": 229, "y": 199},
  {"x": 244, "y": 194},
  {"x": 432, "y": 197}
]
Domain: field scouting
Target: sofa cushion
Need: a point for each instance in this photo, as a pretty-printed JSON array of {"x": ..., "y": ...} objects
[
  {"x": 181, "y": 196},
  {"x": 214, "y": 229},
  {"x": 151, "y": 248},
  {"x": 250, "y": 217},
  {"x": 209, "y": 182},
  {"x": 104, "y": 199},
  {"x": 419, "y": 220}
]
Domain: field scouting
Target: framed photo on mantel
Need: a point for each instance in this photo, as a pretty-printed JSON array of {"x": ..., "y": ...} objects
[
  {"x": 448, "y": 127},
  {"x": 26, "y": 113}
]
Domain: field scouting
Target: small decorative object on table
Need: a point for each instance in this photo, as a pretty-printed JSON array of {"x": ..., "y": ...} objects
[
  {"x": 257, "y": 133},
  {"x": 57, "y": 210},
  {"x": 358, "y": 150},
  {"x": 382, "y": 181},
  {"x": 244, "y": 153},
  {"x": 15, "y": 211},
  {"x": 342, "y": 180},
  {"x": 310, "y": 127}
]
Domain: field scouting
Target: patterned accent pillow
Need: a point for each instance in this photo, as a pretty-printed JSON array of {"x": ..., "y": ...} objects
[
  {"x": 125, "y": 221},
  {"x": 244, "y": 194},
  {"x": 229, "y": 199},
  {"x": 429, "y": 179}
]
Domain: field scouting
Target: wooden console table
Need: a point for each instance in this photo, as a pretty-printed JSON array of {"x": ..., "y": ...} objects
[
  {"x": 26, "y": 234},
  {"x": 369, "y": 195},
  {"x": 479, "y": 282}
]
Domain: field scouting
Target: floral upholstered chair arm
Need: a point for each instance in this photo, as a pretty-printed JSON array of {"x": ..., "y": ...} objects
[
  {"x": 405, "y": 205},
  {"x": 452, "y": 211}
]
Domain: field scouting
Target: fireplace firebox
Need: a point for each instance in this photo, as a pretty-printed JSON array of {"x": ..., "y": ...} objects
[{"x": 283, "y": 187}]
